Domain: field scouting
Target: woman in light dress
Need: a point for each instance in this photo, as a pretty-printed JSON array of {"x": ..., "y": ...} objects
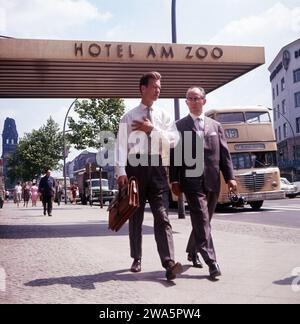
[
  {"x": 34, "y": 194},
  {"x": 18, "y": 194}
]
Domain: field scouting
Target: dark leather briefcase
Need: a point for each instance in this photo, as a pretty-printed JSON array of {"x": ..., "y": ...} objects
[{"x": 124, "y": 205}]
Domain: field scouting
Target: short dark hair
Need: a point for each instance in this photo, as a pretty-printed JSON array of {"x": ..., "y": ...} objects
[{"x": 144, "y": 81}]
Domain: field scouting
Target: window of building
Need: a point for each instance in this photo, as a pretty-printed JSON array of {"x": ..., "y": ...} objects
[
  {"x": 277, "y": 92},
  {"x": 283, "y": 106},
  {"x": 297, "y": 99},
  {"x": 297, "y": 152},
  {"x": 285, "y": 130},
  {"x": 278, "y": 112},
  {"x": 12, "y": 141},
  {"x": 7, "y": 141},
  {"x": 274, "y": 114},
  {"x": 273, "y": 93},
  {"x": 282, "y": 84},
  {"x": 276, "y": 135},
  {"x": 297, "y": 75},
  {"x": 279, "y": 133},
  {"x": 298, "y": 125}
]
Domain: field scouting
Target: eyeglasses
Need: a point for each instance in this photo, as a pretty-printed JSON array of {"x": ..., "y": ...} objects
[{"x": 194, "y": 99}]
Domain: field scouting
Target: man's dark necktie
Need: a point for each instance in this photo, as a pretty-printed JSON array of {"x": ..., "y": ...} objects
[
  {"x": 199, "y": 124},
  {"x": 149, "y": 116}
]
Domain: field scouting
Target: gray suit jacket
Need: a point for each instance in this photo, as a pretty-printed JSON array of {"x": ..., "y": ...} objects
[{"x": 216, "y": 157}]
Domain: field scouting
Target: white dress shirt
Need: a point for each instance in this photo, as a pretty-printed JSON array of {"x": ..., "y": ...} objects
[
  {"x": 163, "y": 136},
  {"x": 196, "y": 120}
]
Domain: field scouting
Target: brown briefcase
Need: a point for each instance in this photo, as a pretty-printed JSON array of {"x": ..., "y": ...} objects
[{"x": 124, "y": 205}]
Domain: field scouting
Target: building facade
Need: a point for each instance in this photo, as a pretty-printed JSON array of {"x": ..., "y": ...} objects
[
  {"x": 9, "y": 144},
  {"x": 285, "y": 81},
  {"x": 2, "y": 187},
  {"x": 80, "y": 162}
]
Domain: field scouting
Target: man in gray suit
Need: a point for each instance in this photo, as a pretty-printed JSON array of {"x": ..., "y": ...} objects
[{"x": 201, "y": 182}]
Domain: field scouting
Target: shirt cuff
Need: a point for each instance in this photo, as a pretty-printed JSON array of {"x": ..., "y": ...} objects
[{"x": 120, "y": 171}]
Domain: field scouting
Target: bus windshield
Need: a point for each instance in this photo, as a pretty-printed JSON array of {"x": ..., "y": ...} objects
[
  {"x": 253, "y": 160},
  {"x": 228, "y": 118},
  {"x": 239, "y": 117},
  {"x": 257, "y": 117}
]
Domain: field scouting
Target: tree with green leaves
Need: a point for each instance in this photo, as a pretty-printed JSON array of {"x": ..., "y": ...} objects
[
  {"x": 40, "y": 149},
  {"x": 95, "y": 116}
]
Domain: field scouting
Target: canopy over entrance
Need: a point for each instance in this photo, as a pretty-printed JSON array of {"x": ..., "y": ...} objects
[{"x": 91, "y": 69}]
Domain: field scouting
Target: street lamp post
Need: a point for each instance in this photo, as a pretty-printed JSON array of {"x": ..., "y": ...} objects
[
  {"x": 64, "y": 152},
  {"x": 181, "y": 209},
  {"x": 101, "y": 191},
  {"x": 293, "y": 133},
  {"x": 174, "y": 40}
]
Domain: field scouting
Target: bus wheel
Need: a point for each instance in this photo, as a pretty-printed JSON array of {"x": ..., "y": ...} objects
[{"x": 256, "y": 204}]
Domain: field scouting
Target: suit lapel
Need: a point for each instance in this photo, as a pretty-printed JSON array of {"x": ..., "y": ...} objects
[
  {"x": 190, "y": 123},
  {"x": 206, "y": 125}
]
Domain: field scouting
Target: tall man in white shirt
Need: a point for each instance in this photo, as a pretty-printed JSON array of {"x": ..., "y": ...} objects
[{"x": 145, "y": 136}]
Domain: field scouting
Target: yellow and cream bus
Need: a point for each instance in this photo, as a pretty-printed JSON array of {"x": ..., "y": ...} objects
[{"x": 252, "y": 144}]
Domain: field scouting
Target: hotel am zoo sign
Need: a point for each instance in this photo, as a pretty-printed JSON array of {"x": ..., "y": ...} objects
[{"x": 142, "y": 51}]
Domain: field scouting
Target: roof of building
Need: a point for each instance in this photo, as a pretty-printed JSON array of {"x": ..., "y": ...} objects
[
  {"x": 82, "y": 69},
  {"x": 278, "y": 57}
]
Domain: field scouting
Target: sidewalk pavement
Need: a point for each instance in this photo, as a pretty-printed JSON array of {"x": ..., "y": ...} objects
[{"x": 73, "y": 258}]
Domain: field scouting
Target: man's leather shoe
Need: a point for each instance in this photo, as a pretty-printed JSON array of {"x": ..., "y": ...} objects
[
  {"x": 136, "y": 265},
  {"x": 44, "y": 212},
  {"x": 195, "y": 259},
  {"x": 173, "y": 269},
  {"x": 214, "y": 270}
]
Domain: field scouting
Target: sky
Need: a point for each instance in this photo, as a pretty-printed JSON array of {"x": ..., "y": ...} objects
[{"x": 267, "y": 23}]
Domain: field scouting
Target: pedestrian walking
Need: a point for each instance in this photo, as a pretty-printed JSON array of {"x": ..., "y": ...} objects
[
  {"x": 58, "y": 193},
  {"x": 18, "y": 194},
  {"x": 149, "y": 125},
  {"x": 34, "y": 193},
  {"x": 47, "y": 190},
  {"x": 201, "y": 190},
  {"x": 26, "y": 194}
]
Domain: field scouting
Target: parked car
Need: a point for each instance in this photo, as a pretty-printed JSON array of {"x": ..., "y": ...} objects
[
  {"x": 297, "y": 184},
  {"x": 289, "y": 188}
]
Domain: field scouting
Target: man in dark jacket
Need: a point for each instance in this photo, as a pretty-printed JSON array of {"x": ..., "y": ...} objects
[
  {"x": 204, "y": 144},
  {"x": 47, "y": 190}
]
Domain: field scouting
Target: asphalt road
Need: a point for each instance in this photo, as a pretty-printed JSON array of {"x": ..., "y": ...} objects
[{"x": 283, "y": 212}]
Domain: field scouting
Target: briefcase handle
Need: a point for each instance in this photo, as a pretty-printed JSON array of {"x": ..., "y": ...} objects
[
  {"x": 132, "y": 186},
  {"x": 133, "y": 191}
]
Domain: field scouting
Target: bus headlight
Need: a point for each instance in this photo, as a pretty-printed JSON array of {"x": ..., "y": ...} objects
[{"x": 274, "y": 184}]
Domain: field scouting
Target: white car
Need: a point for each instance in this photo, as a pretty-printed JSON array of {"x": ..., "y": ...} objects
[
  {"x": 289, "y": 189},
  {"x": 297, "y": 184}
]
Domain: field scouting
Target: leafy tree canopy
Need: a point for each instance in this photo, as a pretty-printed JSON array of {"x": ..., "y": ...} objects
[
  {"x": 40, "y": 149},
  {"x": 95, "y": 115}
]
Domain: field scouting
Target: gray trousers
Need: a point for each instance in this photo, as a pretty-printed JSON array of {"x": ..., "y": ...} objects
[
  {"x": 202, "y": 207},
  {"x": 153, "y": 186}
]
